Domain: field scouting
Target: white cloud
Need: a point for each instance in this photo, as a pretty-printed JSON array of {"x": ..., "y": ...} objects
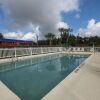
[
  {"x": 92, "y": 29},
  {"x": 29, "y": 36},
  {"x": 20, "y": 36},
  {"x": 62, "y": 24},
  {"x": 43, "y": 13},
  {"x": 13, "y": 35},
  {"x": 32, "y": 35},
  {"x": 25, "y": 36}
]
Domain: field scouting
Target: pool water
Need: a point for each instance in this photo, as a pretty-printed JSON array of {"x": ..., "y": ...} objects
[{"x": 33, "y": 78}]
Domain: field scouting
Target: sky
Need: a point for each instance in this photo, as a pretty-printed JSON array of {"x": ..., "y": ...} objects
[{"x": 25, "y": 19}]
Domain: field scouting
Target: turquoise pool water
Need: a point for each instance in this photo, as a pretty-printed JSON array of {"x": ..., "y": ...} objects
[{"x": 33, "y": 78}]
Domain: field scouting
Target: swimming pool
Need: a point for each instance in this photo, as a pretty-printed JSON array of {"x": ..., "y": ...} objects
[{"x": 32, "y": 79}]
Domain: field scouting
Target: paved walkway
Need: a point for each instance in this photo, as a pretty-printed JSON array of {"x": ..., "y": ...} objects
[
  {"x": 6, "y": 94},
  {"x": 82, "y": 84}
]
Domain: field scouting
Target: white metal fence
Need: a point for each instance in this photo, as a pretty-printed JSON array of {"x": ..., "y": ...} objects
[{"x": 17, "y": 52}]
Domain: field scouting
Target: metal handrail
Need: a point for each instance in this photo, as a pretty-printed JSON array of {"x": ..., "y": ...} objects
[{"x": 17, "y": 52}]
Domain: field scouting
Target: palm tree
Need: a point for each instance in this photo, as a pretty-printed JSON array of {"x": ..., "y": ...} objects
[
  {"x": 61, "y": 30},
  {"x": 50, "y": 37},
  {"x": 65, "y": 33}
]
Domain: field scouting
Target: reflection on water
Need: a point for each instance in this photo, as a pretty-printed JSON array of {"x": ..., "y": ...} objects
[{"x": 33, "y": 78}]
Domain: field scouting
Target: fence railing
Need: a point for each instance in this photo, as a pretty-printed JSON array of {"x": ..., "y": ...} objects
[{"x": 18, "y": 52}]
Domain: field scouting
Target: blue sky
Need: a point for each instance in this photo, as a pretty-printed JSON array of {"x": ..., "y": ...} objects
[
  {"x": 82, "y": 16},
  {"x": 89, "y": 9}
]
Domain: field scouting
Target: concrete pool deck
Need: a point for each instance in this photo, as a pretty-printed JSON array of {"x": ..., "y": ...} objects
[
  {"x": 82, "y": 84},
  {"x": 6, "y": 94}
]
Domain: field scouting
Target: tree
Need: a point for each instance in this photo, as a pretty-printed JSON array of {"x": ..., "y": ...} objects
[
  {"x": 50, "y": 37},
  {"x": 61, "y": 30},
  {"x": 65, "y": 33},
  {"x": 72, "y": 40},
  {"x": 1, "y": 36}
]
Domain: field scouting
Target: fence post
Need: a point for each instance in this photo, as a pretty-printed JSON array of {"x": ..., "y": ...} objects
[
  {"x": 31, "y": 51},
  {"x": 15, "y": 53},
  {"x": 41, "y": 50}
]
